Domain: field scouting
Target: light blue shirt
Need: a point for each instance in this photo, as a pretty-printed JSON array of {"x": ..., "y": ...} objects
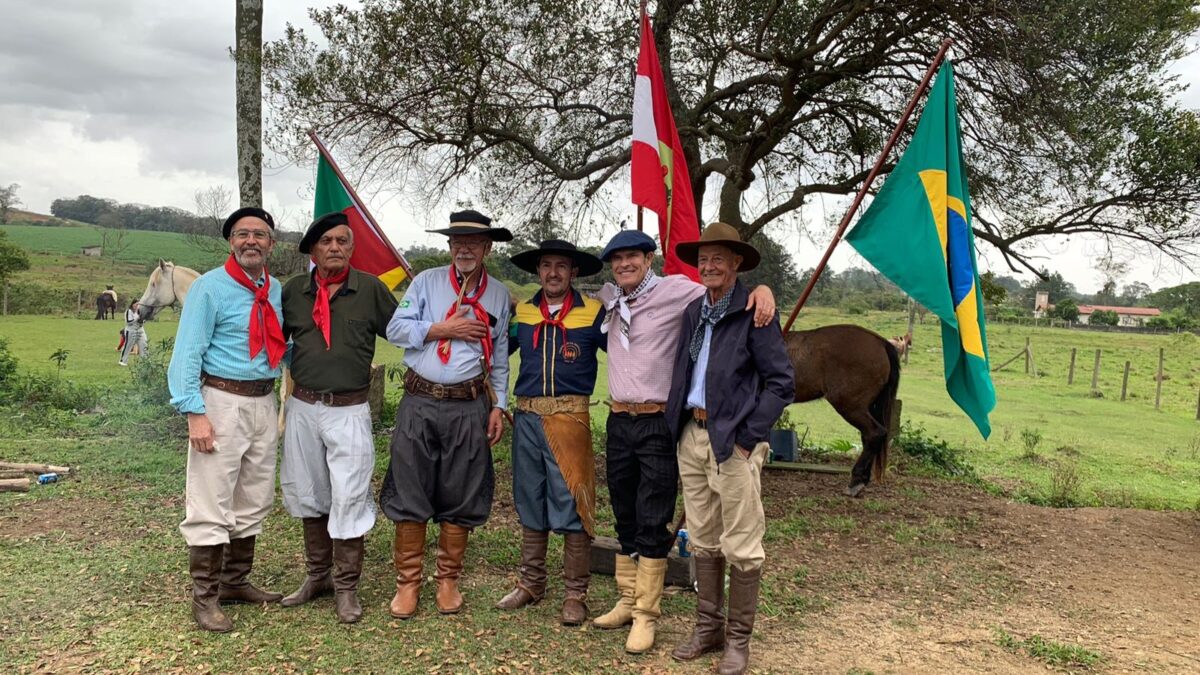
[
  {"x": 695, "y": 398},
  {"x": 214, "y": 337},
  {"x": 428, "y": 299}
]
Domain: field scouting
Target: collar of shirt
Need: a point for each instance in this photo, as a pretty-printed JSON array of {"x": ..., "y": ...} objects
[{"x": 349, "y": 286}]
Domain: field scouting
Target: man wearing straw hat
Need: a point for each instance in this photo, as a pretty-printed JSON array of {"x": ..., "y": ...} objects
[
  {"x": 453, "y": 327},
  {"x": 731, "y": 382},
  {"x": 332, "y": 316},
  {"x": 554, "y": 481},
  {"x": 642, "y": 323}
]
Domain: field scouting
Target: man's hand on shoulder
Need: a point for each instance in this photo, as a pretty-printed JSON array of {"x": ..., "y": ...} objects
[{"x": 762, "y": 301}]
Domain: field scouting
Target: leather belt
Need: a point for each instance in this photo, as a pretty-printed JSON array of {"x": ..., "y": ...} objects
[
  {"x": 635, "y": 409},
  {"x": 700, "y": 415},
  {"x": 329, "y": 398},
  {"x": 461, "y": 391},
  {"x": 240, "y": 387},
  {"x": 550, "y": 405}
]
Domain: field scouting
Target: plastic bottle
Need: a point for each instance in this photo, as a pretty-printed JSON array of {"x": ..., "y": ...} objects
[{"x": 683, "y": 543}]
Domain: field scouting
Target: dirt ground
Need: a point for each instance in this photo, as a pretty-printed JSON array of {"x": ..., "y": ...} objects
[
  {"x": 1123, "y": 583},
  {"x": 925, "y": 576}
]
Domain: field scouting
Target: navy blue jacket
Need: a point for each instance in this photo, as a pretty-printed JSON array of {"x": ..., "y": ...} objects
[
  {"x": 748, "y": 381},
  {"x": 564, "y": 362}
]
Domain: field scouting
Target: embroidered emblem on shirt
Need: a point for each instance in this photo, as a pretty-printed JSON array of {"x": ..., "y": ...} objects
[
  {"x": 570, "y": 352},
  {"x": 405, "y": 303}
]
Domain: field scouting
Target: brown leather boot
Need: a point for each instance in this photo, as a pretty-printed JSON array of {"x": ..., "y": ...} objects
[
  {"x": 743, "y": 604},
  {"x": 577, "y": 572},
  {"x": 204, "y": 564},
  {"x": 239, "y": 560},
  {"x": 709, "y": 633},
  {"x": 408, "y": 554},
  {"x": 318, "y": 557},
  {"x": 347, "y": 568},
  {"x": 531, "y": 587},
  {"x": 452, "y": 546},
  {"x": 625, "y": 574}
]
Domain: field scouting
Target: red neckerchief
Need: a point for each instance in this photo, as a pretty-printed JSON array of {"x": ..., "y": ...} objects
[
  {"x": 547, "y": 321},
  {"x": 265, "y": 331},
  {"x": 472, "y": 301},
  {"x": 321, "y": 305}
]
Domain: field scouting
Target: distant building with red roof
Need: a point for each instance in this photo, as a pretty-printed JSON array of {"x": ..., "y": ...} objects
[{"x": 1127, "y": 316}]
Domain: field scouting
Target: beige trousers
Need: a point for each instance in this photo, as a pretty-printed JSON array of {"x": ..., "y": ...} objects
[
  {"x": 231, "y": 490},
  {"x": 723, "y": 503}
]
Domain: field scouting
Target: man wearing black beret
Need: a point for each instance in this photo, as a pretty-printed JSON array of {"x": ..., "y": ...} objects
[{"x": 332, "y": 316}]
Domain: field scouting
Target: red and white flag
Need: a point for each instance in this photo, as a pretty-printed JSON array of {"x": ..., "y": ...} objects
[{"x": 658, "y": 170}]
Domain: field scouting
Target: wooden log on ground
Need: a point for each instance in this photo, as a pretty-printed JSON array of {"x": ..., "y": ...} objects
[
  {"x": 13, "y": 473},
  {"x": 35, "y": 468},
  {"x": 811, "y": 468},
  {"x": 679, "y": 570},
  {"x": 14, "y": 485}
]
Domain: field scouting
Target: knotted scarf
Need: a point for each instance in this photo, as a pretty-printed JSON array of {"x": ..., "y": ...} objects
[
  {"x": 320, "y": 314},
  {"x": 265, "y": 331},
  {"x": 709, "y": 316},
  {"x": 472, "y": 301},
  {"x": 547, "y": 320},
  {"x": 619, "y": 307}
]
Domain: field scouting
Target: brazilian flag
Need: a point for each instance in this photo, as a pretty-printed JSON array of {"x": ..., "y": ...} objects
[{"x": 917, "y": 232}]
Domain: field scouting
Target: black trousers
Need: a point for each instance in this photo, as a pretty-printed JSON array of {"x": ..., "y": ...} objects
[
  {"x": 643, "y": 482},
  {"x": 441, "y": 464}
]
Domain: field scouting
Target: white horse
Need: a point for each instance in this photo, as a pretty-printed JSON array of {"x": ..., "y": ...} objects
[{"x": 168, "y": 285}]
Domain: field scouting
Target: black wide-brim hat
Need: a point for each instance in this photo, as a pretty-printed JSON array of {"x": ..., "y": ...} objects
[
  {"x": 473, "y": 222},
  {"x": 242, "y": 213},
  {"x": 719, "y": 234},
  {"x": 586, "y": 263},
  {"x": 319, "y": 227}
]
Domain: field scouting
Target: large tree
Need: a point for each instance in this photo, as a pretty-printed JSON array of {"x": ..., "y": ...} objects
[
  {"x": 8, "y": 200},
  {"x": 1067, "y": 108},
  {"x": 248, "y": 54}
]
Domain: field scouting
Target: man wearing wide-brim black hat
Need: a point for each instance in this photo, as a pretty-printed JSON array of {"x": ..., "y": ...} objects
[
  {"x": 332, "y": 316},
  {"x": 453, "y": 327},
  {"x": 731, "y": 381},
  {"x": 554, "y": 481}
]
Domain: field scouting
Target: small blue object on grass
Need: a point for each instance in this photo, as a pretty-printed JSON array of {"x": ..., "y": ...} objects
[
  {"x": 47, "y": 478},
  {"x": 683, "y": 543},
  {"x": 783, "y": 445}
]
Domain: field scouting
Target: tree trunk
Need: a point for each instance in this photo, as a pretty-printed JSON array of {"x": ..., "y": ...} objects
[
  {"x": 15, "y": 485},
  {"x": 249, "y": 100}
]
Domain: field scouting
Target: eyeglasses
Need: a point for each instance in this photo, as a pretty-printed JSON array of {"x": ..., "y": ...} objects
[
  {"x": 474, "y": 244},
  {"x": 256, "y": 235}
]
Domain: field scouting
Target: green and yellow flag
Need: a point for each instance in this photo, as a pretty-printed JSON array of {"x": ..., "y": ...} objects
[{"x": 917, "y": 233}]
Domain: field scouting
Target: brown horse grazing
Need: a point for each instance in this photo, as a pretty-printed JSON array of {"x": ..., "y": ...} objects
[
  {"x": 858, "y": 372},
  {"x": 106, "y": 305}
]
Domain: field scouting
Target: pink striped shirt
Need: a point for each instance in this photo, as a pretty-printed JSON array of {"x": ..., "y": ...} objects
[{"x": 642, "y": 373}]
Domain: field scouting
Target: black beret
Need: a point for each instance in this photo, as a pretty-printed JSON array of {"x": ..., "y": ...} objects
[
  {"x": 242, "y": 213},
  {"x": 319, "y": 227}
]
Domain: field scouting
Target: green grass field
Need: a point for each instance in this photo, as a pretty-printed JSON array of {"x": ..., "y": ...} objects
[
  {"x": 144, "y": 247},
  {"x": 1123, "y": 453}
]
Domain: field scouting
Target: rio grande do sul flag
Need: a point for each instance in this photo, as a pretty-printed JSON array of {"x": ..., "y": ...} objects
[
  {"x": 658, "y": 170},
  {"x": 372, "y": 252},
  {"x": 917, "y": 232}
]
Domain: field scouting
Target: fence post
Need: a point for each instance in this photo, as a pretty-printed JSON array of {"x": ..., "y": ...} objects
[
  {"x": 5, "y": 311},
  {"x": 912, "y": 315},
  {"x": 1071, "y": 372},
  {"x": 79, "y": 304},
  {"x": 1198, "y": 405},
  {"x": 1027, "y": 355},
  {"x": 1158, "y": 388},
  {"x": 1096, "y": 371},
  {"x": 1125, "y": 381}
]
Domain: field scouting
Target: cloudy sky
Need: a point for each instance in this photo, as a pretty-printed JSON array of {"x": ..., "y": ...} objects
[{"x": 133, "y": 100}]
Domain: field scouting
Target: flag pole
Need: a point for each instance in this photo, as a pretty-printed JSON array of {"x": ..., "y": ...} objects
[
  {"x": 358, "y": 203},
  {"x": 862, "y": 191}
]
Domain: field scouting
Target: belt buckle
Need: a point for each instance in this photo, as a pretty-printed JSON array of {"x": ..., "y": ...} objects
[
  {"x": 326, "y": 398},
  {"x": 437, "y": 390}
]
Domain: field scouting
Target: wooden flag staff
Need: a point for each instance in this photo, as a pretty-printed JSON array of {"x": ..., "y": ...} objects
[{"x": 862, "y": 191}]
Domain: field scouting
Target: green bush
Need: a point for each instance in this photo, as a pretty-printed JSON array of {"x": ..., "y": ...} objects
[
  {"x": 149, "y": 374},
  {"x": 931, "y": 454},
  {"x": 8, "y": 364}
]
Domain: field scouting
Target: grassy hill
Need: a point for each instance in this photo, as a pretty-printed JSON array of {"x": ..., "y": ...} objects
[{"x": 143, "y": 248}]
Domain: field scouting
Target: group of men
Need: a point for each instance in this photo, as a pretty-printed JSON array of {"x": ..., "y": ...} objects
[{"x": 697, "y": 376}]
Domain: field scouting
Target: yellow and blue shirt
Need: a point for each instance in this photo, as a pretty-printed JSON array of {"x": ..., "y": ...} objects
[{"x": 564, "y": 362}]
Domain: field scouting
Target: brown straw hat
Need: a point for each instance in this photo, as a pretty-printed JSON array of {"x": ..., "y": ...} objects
[{"x": 723, "y": 235}]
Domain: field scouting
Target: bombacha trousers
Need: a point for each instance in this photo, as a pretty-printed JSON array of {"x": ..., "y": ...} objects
[
  {"x": 723, "y": 503},
  {"x": 231, "y": 490}
]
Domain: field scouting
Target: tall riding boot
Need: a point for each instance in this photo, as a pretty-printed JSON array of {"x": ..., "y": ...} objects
[
  {"x": 452, "y": 546},
  {"x": 531, "y": 587},
  {"x": 318, "y": 557},
  {"x": 408, "y": 553},
  {"x": 709, "y": 633},
  {"x": 347, "y": 568},
  {"x": 625, "y": 574},
  {"x": 239, "y": 560},
  {"x": 743, "y": 604},
  {"x": 204, "y": 564},
  {"x": 647, "y": 595},
  {"x": 577, "y": 572}
]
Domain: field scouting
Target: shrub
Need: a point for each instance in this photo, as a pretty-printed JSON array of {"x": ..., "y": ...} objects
[
  {"x": 8, "y": 364},
  {"x": 1030, "y": 438},
  {"x": 933, "y": 454}
]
